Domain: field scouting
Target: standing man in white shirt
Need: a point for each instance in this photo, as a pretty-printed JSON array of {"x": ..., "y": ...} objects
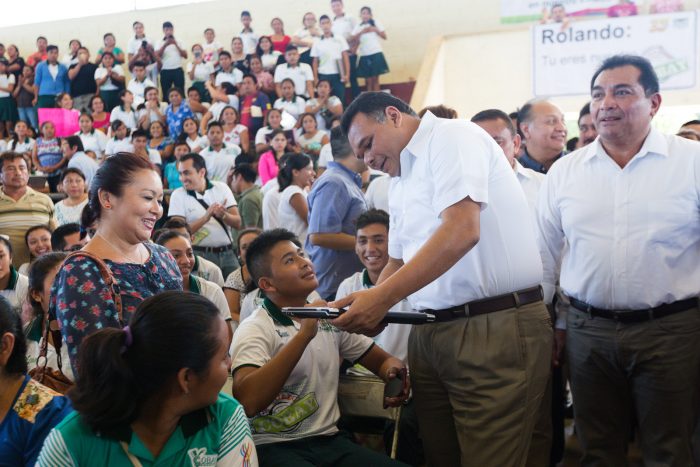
[
  {"x": 462, "y": 247},
  {"x": 171, "y": 53},
  {"x": 300, "y": 73},
  {"x": 343, "y": 25},
  {"x": 247, "y": 35},
  {"x": 210, "y": 210},
  {"x": 627, "y": 208}
]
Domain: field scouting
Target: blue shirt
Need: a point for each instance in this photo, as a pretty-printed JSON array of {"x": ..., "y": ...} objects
[
  {"x": 528, "y": 162},
  {"x": 335, "y": 202},
  {"x": 34, "y": 412},
  {"x": 48, "y": 86},
  {"x": 175, "y": 118}
]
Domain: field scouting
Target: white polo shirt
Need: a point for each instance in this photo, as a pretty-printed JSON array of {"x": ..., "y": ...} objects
[
  {"x": 135, "y": 44},
  {"x": 215, "y": 294},
  {"x": 138, "y": 88},
  {"x": 394, "y": 338},
  {"x": 86, "y": 164},
  {"x": 202, "y": 71},
  {"x": 118, "y": 145},
  {"x": 626, "y": 238},
  {"x": 307, "y": 404},
  {"x": 220, "y": 162},
  {"x": 184, "y": 205},
  {"x": 295, "y": 107},
  {"x": 329, "y": 50},
  {"x": 270, "y": 204},
  {"x": 250, "y": 42},
  {"x": 370, "y": 43},
  {"x": 171, "y": 59},
  {"x": 445, "y": 162},
  {"x": 108, "y": 85},
  {"x": 300, "y": 74},
  {"x": 377, "y": 195},
  {"x": 208, "y": 270},
  {"x": 234, "y": 77},
  {"x": 343, "y": 26},
  {"x": 530, "y": 182},
  {"x": 127, "y": 118},
  {"x": 95, "y": 142}
]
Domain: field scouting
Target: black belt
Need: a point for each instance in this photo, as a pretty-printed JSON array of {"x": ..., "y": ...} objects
[
  {"x": 635, "y": 316},
  {"x": 212, "y": 249},
  {"x": 489, "y": 305}
]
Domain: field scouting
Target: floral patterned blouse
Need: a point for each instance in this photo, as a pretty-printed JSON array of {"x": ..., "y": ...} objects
[{"x": 83, "y": 303}]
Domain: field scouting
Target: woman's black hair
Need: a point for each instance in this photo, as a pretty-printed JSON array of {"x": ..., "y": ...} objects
[
  {"x": 291, "y": 162},
  {"x": 11, "y": 322},
  {"x": 259, "y": 51},
  {"x": 118, "y": 373},
  {"x": 221, "y": 115},
  {"x": 303, "y": 116},
  {"x": 38, "y": 270},
  {"x": 166, "y": 235},
  {"x": 267, "y": 119},
  {"x": 72, "y": 170},
  {"x": 115, "y": 173},
  {"x": 183, "y": 136},
  {"x": 116, "y": 124},
  {"x": 8, "y": 245},
  {"x": 163, "y": 126}
]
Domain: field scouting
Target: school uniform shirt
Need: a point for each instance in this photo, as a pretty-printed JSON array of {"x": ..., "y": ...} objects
[
  {"x": 134, "y": 44},
  {"x": 138, "y": 88},
  {"x": 394, "y": 338},
  {"x": 34, "y": 412},
  {"x": 445, "y": 162},
  {"x": 5, "y": 81},
  {"x": 530, "y": 181},
  {"x": 220, "y": 162},
  {"x": 325, "y": 155},
  {"x": 183, "y": 203},
  {"x": 329, "y": 51},
  {"x": 208, "y": 270},
  {"x": 96, "y": 141},
  {"x": 217, "y": 107},
  {"x": 270, "y": 206},
  {"x": 234, "y": 77},
  {"x": 343, "y": 26},
  {"x": 307, "y": 404},
  {"x": 217, "y": 435},
  {"x": 27, "y": 145},
  {"x": 295, "y": 107},
  {"x": 86, "y": 164},
  {"x": 300, "y": 74},
  {"x": 288, "y": 217},
  {"x": 632, "y": 234},
  {"x": 16, "y": 291},
  {"x": 118, "y": 145},
  {"x": 127, "y": 118},
  {"x": 171, "y": 60},
  {"x": 213, "y": 292},
  {"x": 377, "y": 194},
  {"x": 304, "y": 33},
  {"x": 250, "y": 41},
  {"x": 202, "y": 71},
  {"x": 370, "y": 43},
  {"x": 154, "y": 156},
  {"x": 269, "y": 61},
  {"x": 200, "y": 142},
  {"x": 108, "y": 85}
]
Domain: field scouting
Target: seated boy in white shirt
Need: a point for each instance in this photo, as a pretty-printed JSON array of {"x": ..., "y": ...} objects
[{"x": 285, "y": 370}]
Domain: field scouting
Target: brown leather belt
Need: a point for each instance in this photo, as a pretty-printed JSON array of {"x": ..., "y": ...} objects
[
  {"x": 212, "y": 249},
  {"x": 636, "y": 316},
  {"x": 489, "y": 305}
]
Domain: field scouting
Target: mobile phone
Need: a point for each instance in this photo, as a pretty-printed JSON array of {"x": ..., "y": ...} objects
[
  {"x": 394, "y": 387},
  {"x": 197, "y": 54},
  {"x": 144, "y": 44}
]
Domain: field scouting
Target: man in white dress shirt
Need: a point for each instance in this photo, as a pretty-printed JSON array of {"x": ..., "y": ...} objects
[
  {"x": 462, "y": 246},
  {"x": 621, "y": 219}
]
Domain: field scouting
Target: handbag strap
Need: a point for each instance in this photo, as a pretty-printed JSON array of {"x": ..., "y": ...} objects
[
  {"x": 107, "y": 277},
  {"x": 132, "y": 458},
  {"x": 205, "y": 205}
]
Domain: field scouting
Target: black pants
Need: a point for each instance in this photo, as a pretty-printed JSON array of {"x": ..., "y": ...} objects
[{"x": 171, "y": 78}]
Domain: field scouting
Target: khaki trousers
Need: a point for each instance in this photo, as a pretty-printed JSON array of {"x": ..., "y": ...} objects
[{"x": 478, "y": 383}]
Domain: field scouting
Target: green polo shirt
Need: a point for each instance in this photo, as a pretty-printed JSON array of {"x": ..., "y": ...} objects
[
  {"x": 215, "y": 435},
  {"x": 250, "y": 207}
]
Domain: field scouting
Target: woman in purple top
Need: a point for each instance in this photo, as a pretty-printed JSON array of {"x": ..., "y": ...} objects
[{"x": 126, "y": 198}]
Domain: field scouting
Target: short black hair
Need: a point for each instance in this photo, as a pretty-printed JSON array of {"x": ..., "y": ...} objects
[
  {"x": 225, "y": 53},
  {"x": 10, "y": 322},
  {"x": 572, "y": 143},
  {"x": 74, "y": 141},
  {"x": 213, "y": 124},
  {"x": 647, "y": 76},
  {"x": 691, "y": 122},
  {"x": 251, "y": 76},
  {"x": 245, "y": 13},
  {"x": 138, "y": 63},
  {"x": 246, "y": 171},
  {"x": 373, "y": 216},
  {"x": 177, "y": 90},
  {"x": 257, "y": 257},
  {"x": 177, "y": 223},
  {"x": 290, "y": 47},
  {"x": 324, "y": 17},
  {"x": 340, "y": 146},
  {"x": 495, "y": 114},
  {"x": 198, "y": 161},
  {"x": 229, "y": 88},
  {"x": 440, "y": 111},
  {"x": 373, "y": 104},
  {"x": 525, "y": 112},
  {"x": 585, "y": 110},
  {"x": 139, "y": 133},
  {"x": 52, "y": 47},
  {"x": 72, "y": 170},
  {"x": 165, "y": 235},
  {"x": 58, "y": 236}
]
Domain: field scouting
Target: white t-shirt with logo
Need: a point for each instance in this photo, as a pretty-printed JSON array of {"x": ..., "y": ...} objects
[{"x": 307, "y": 404}]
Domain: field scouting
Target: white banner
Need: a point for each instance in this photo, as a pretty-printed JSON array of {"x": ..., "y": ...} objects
[
  {"x": 515, "y": 11},
  {"x": 564, "y": 60}
]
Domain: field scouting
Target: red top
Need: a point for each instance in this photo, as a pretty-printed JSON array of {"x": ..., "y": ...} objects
[
  {"x": 281, "y": 46},
  {"x": 99, "y": 124}
]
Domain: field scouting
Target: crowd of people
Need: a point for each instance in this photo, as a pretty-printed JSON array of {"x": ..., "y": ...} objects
[{"x": 141, "y": 314}]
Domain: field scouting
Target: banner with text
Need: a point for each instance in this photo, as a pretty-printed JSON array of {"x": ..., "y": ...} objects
[
  {"x": 564, "y": 59},
  {"x": 518, "y": 11}
]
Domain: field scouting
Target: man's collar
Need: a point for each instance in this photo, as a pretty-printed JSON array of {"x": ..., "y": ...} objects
[
  {"x": 248, "y": 190},
  {"x": 207, "y": 186},
  {"x": 528, "y": 162},
  {"x": 654, "y": 143},
  {"x": 520, "y": 170},
  {"x": 223, "y": 146},
  {"x": 356, "y": 178},
  {"x": 366, "y": 281},
  {"x": 275, "y": 313},
  {"x": 194, "y": 285},
  {"x": 418, "y": 145}
]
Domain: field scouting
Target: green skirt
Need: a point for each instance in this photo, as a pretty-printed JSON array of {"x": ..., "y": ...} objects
[
  {"x": 8, "y": 109},
  {"x": 372, "y": 65},
  {"x": 111, "y": 99}
]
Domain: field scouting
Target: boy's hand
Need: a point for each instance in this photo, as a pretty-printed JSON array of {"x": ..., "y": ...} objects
[
  {"x": 402, "y": 373},
  {"x": 309, "y": 327}
]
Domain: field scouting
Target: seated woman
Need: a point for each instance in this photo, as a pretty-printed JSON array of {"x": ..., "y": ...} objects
[
  {"x": 42, "y": 272},
  {"x": 264, "y": 134},
  {"x": 100, "y": 118},
  {"x": 148, "y": 394},
  {"x": 239, "y": 283},
  {"x": 38, "y": 241},
  {"x": 325, "y": 106},
  {"x": 311, "y": 139},
  {"x": 159, "y": 139},
  {"x": 289, "y": 101},
  {"x": 125, "y": 204},
  {"x": 120, "y": 141},
  {"x": 13, "y": 285},
  {"x": 285, "y": 370},
  {"x": 180, "y": 246},
  {"x": 268, "y": 165},
  {"x": 234, "y": 132},
  {"x": 68, "y": 209},
  {"x": 190, "y": 135},
  {"x": 28, "y": 410}
]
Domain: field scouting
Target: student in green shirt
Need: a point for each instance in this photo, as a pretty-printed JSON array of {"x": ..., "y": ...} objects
[{"x": 148, "y": 394}]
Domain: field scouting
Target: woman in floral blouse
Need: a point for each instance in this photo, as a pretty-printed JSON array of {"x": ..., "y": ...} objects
[{"x": 125, "y": 202}]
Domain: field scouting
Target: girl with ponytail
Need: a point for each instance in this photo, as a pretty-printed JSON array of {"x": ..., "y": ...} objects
[
  {"x": 295, "y": 176},
  {"x": 149, "y": 393},
  {"x": 102, "y": 285}
]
